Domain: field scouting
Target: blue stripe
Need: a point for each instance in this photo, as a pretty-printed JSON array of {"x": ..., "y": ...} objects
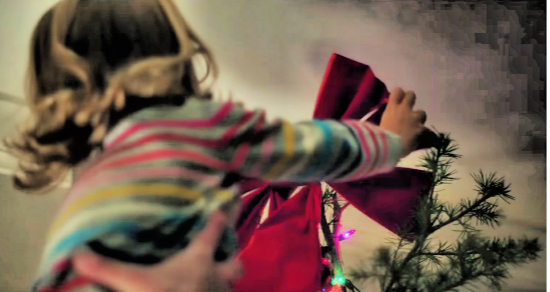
[
  {"x": 86, "y": 234},
  {"x": 325, "y": 148}
]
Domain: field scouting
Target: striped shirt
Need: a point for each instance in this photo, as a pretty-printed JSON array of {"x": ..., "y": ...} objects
[{"x": 164, "y": 169}]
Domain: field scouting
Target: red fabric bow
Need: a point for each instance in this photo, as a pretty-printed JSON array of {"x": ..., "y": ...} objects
[{"x": 283, "y": 254}]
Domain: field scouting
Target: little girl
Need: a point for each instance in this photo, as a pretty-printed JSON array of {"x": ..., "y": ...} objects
[{"x": 118, "y": 77}]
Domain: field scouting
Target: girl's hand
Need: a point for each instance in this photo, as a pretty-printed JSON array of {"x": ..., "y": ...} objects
[
  {"x": 400, "y": 118},
  {"x": 191, "y": 270}
]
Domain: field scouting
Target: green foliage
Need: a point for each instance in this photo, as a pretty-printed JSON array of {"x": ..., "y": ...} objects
[{"x": 421, "y": 266}]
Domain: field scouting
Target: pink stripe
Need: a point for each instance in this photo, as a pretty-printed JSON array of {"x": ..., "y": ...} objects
[
  {"x": 75, "y": 283},
  {"x": 231, "y": 132},
  {"x": 157, "y": 154},
  {"x": 242, "y": 152},
  {"x": 239, "y": 157},
  {"x": 170, "y": 137},
  {"x": 376, "y": 149},
  {"x": 359, "y": 127},
  {"x": 145, "y": 173},
  {"x": 167, "y": 137},
  {"x": 181, "y": 138},
  {"x": 173, "y": 137},
  {"x": 199, "y": 123},
  {"x": 384, "y": 148},
  {"x": 61, "y": 265}
]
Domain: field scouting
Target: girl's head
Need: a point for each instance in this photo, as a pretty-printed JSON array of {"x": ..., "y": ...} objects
[{"x": 87, "y": 58}]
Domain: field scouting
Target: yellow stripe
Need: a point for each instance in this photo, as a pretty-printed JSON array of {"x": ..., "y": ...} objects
[
  {"x": 224, "y": 195},
  {"x": 125, "y": 191},
  {"x": 289, "y": 144}
]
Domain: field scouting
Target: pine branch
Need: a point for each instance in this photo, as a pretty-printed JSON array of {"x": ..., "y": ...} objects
[
  {"x": 472, "y": 258},
  {"x": 459, "y": 283},
  {"x": 394, "y": 273},
  {"x": 488, "y": 187},
  {"x": 432, "y": 161},
  {"x": 442, "y": 254}
]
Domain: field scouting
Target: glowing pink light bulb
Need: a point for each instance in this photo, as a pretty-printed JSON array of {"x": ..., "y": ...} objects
[{"x": 346, "y": 235}]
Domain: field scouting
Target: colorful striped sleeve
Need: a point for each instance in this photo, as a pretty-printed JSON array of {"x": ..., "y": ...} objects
[{"x": 317, "y": 150}]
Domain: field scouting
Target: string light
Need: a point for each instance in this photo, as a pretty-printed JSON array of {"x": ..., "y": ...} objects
[
  {"x": 338, "y": 280},
  {"x": 346, "y": 235},
  {"x": 325, "y": 262}
]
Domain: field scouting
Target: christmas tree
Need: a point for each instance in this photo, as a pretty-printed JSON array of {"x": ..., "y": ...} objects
[{"x": 415, "y": 263}]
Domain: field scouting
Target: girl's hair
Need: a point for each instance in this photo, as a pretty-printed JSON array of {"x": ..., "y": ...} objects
[{"x": 91, "y": 60}]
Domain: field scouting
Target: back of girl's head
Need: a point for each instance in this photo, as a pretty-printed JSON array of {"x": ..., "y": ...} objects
[{"x": 87, "y": 58}]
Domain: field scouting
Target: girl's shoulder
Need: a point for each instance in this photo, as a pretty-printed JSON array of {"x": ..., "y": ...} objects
[
  {"x": 194, "y": 108},
  {"x": 195, "y": 115}
]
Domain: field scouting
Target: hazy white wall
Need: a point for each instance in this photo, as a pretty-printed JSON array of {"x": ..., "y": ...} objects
[
  {"x": 17, "y": 21},
  {"x": 273, "y": 54}
]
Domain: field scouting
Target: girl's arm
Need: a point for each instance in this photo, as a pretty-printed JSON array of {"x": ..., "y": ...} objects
[{"x": 311, "y": 151}]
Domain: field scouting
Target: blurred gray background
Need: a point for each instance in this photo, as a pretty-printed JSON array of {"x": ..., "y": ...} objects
[{"x": 478, "y": 68}]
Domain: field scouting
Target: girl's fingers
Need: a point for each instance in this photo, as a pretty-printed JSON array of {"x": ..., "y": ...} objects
[
  {"x": 207, "y": 241},
  {"x": 231, "y": 270},
  {"x": 422, "y": 116},
  {"x": 396, "y": 96},
  {"x": 410, "y": 99},
  {"x": 117, "y": 276}
]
